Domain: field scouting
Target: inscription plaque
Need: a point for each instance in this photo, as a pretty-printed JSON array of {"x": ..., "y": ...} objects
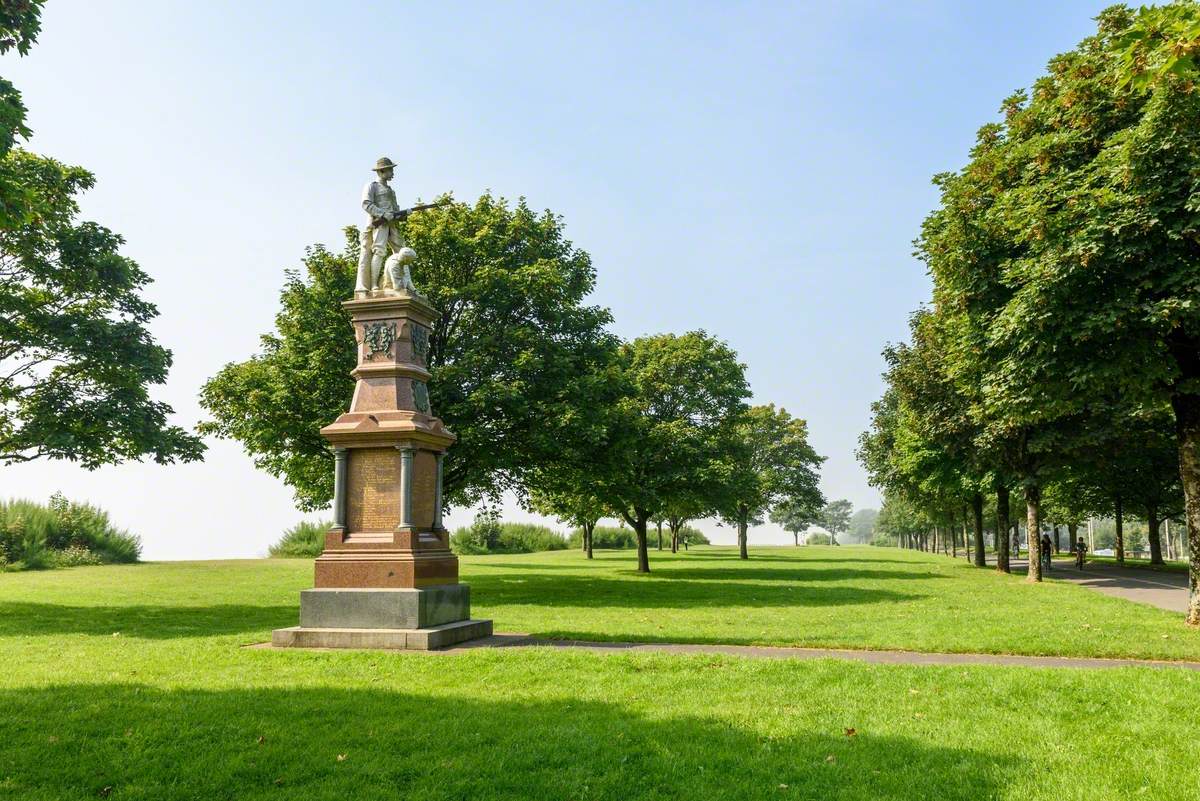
[{"x": 373, "y": 489}]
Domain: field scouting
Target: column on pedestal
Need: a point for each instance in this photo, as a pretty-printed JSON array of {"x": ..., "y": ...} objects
[
  {"x": 437, "y": 495},
  {"x": 339, "y": 488},
  {"x": 406, "y": 484}
]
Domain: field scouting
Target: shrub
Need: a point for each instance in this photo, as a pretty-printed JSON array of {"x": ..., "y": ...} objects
[
  {"x": 692, "y": 536},
  {"x": 817, "y": 538},
  {"x": 606, "y": 537},
  {"x": 75, "y": 556},
  {"x": 304, "y": 540},
  {"x": 489, "y": 535},
  {"x": 882, "y": 539},
  {"x": 32, "y": 534},
  {"x": 467, "y": 541},
  {"x": 528, "y": 538}
]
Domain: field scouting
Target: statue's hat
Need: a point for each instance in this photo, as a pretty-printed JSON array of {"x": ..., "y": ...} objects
[{"x": 383, "y": 164}]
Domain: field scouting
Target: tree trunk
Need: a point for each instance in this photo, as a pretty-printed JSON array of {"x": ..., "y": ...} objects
[
  {"x": 977, "y": 508},
  {"x": 796, "y": 538},
  {"x": 1057, "y": 540},
  {"x": 1187, "y": 433},
  {"x": 1072, "y": 535},
  {"x": 1120, "y": 531},
  {"x": 1002, "y": 563},
  {"x": 742, "y": 537},
  {"x": 1033, "y": 525},
  {"x": 674, "y": 524},
  {"x": 1152, "y": 524},
  {"x": 936, "y": 532},
  {"x": 588, "y": 528},
  {"x": 643, "y": 551},
  {"x": 660, "y": 535}
]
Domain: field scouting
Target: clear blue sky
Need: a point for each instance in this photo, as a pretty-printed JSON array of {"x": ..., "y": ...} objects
[{"x": 755, "y": 169}]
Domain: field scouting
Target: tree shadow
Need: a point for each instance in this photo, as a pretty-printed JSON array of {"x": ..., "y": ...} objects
[
  {"x": 142, "y": 621},
  {"x": 665, "y": 591},
  {"x": 128, "y": 741},
  {"x": 799, "y": 574}
]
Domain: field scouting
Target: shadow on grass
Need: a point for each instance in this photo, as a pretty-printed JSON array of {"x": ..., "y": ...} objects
[
  {"x": 797, "y": 574},
  {"x": 135, "y": 742},
  {"x": 147, "y": 622},
  {"x": 664, "y": 592}
]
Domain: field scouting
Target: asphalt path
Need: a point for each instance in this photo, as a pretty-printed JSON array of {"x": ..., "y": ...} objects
[{"x": 1154, "y": 587}]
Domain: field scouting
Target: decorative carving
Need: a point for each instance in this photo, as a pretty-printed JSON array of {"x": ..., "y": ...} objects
[
  {"x": 420, "y": 342},
  {"x": 379, "y": 338},
  {"x": 420, "y": 394}
]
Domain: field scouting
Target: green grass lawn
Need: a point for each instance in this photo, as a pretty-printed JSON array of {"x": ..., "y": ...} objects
[
  {"x": 811, "y": 596},
  {"x": 131, "y": 683}
]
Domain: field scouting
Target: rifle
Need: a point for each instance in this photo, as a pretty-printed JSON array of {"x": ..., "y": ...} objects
[{"x": 403, "y": 215}]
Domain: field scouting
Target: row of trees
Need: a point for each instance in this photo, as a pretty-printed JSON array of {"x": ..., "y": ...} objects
[{"x": 1059, "y": 358}]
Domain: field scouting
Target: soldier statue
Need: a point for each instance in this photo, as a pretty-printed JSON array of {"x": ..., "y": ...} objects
[{"x": 380, "y": 231}]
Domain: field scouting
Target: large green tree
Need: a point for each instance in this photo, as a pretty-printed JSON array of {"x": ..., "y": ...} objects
[
  {"x": 515, "y": 354},
  {"x": 672, "y": 432},
  {"x": 76, "y": 358},
  {"x": 775, "y": 464}
]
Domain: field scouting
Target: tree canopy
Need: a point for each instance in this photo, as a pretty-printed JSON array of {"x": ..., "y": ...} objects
[
  {"x": 515, "y": 354},
  {"x": 76, "y": 358}
]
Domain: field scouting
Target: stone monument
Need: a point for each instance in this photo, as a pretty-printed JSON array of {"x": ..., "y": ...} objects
[{"x": 387, "y": 577}]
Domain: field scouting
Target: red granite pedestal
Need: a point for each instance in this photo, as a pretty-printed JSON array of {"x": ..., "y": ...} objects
[{"x": 387, "y": 577}]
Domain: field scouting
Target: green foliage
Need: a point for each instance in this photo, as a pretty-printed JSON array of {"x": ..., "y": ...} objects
[
  {"x": 862, "y": 525},
  {"x": 671, "y": 433},
  {"x": 817, "y": 538},
  {"x": 515, "y": 354},
  {"x": 1162, "y": 43},
  {"x": 305, "y": 540},
  {"x": 61, "y": 533},
  {"x": 489, "y": 535},
  {"x": 78, "y": 356},
  {"x": 606, "y": 538},
  {"x": 773, "y": 464},
  {"x": 835, "y": 516},
  {"x": 689, "y": 535}
]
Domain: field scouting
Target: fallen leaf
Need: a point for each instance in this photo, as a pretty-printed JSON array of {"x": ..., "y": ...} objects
[
  {"x": 279, "y": 782},
  {"x": 851, "y": 732},
  {"x": 104, "y": 791},
  {"x": 341, "y": 758},
  {"x": 261, "y": 739},
  {"x": 831, "y": 758},
  {"x": 783, "y": 787},
  {"x": 53, "y": 738},
  {"x": 913, "y": 691}
]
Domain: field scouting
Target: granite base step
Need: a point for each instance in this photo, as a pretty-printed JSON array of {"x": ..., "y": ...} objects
[{"x": 426, "y": 639}]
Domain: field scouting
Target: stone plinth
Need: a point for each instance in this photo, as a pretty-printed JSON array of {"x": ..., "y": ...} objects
[{"x": 387, "y": 564}]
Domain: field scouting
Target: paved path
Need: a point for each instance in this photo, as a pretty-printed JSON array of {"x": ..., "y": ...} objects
[
  {"x": 766, "y": 652},
  {"x": 1155, "y": 587}
]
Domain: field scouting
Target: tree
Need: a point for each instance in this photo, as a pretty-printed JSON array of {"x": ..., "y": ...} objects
[
  {"x": 774, "y": 464},
  {"x": 862, "y": 525},
  {"x": 576, "y": 507},
  {"x": 795, "y": 515},
  {"x": 76, "y": 358},
  {"x": 835, "y": 518},
  {"x": 515, "y": 354},
  {"x": 671, "y": 431}
]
